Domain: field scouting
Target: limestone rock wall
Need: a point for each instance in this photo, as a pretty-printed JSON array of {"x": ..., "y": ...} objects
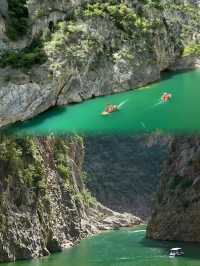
[
  {"x": 90, "y": 50},
  {"x": 125, "y": 171},
  {"x": 44, "y": 204},
  {"x": 41, "y": 207},
  {"x": 177, "y": 212}
]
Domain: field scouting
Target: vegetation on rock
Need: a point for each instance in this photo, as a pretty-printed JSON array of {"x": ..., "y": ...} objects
[
  {"x": 26, "y": 58},
  {"x": 126, "y": 171},
  {"x": 26, "y": 166},
  {"x": 123, "y": 16},
  {"x": 77, "y": 38},
  {"x": 17, "y": 25},
  {"x": 34, "y": 197},
  {"x": 176, "y": 210},
  {"x": 61, "y": 155},
  {"x": 192, "y": 49}
]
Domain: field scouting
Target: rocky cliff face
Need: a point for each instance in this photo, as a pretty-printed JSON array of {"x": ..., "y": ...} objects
[
  {"x": 44, "y": 205},
  {"x": 124, "y": 172},
  {"x": 40, "y": 206},
  {"x": 177, "y": 211},
  {"x": 58, "y": 52}
]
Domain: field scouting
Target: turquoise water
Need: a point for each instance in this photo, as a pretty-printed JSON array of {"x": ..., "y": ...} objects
[
  {"x": 141, "y": 111},
  {"x": 119, "y": 248}
]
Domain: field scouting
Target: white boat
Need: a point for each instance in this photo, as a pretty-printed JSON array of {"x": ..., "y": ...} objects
[{"x": 176, "y": 252}]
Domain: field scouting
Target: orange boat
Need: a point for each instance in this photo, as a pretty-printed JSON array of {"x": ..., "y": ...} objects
[
  {"x": 166, "y": 97},
  {"x": 110, "y": 109}
]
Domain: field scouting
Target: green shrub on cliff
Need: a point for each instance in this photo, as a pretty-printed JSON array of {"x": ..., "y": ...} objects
[
  {"x": 153, "y": 3},
  {"x": 192, "y": 49},
  {"x": 39, "y": 13},
  {"x": 23, "y": 59},
  {"x": 124, "y": 17},
  {"x": 32, "y": 55},
  {"x": 61, "y": 159},
  {"x": 63, "y": 171},
  {"x": 85, "y": 197},
  {"x": 185, "y": 16},
  {"x": 20, "y": 158},
  {"x": 17, "y": 24},
  {"x": 76, "y": 44}
]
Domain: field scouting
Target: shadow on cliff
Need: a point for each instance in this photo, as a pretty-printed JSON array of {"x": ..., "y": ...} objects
[{"x": 169, "y": 74}]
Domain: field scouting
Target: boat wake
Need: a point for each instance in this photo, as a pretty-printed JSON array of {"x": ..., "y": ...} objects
[
  {"x": 122, "y": 103},
  {"x": 160, "y": 102},
  {"x": 138, "y": 231},
  {"x": 153, "y": 106}
]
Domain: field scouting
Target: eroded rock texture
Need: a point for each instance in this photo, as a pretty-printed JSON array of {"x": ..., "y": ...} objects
[
  {"x": 58, "y": 52},
  {"x": 177, "y": 211},
  {"x": 44, "y": 204},
  {"x": 124, "y": 171}
]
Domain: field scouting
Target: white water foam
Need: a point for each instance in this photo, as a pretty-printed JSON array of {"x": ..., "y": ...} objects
[
  {"x": 153, "y": 106},
  {"x": 137, "y": 231},
  {"x": 156, "y": 104},
  {"x": 122, "y": 103}
]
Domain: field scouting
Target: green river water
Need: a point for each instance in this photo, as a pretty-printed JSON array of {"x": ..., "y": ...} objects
[
  {"x": 141, "y": 111},
  {"x": 127, "y": 247}
]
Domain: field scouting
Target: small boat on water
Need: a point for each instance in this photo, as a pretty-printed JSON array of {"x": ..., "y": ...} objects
[
  {"x": 110, "y": 109},
  {"x": 166, "y": 97},
  {"x": 175, "y": 252}
]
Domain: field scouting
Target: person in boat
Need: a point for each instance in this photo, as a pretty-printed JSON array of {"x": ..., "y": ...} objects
[
  {"x": 108, "y": 108},
  {"x": 111, "y": 108},
  {"x": 166, "y": 97}
]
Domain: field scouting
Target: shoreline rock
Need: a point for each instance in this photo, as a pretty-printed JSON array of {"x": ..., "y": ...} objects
[
  {"x": 186, "y": 63},
  {"x": 87, "y": 55},
  {"x": 44, "y": 204}
]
